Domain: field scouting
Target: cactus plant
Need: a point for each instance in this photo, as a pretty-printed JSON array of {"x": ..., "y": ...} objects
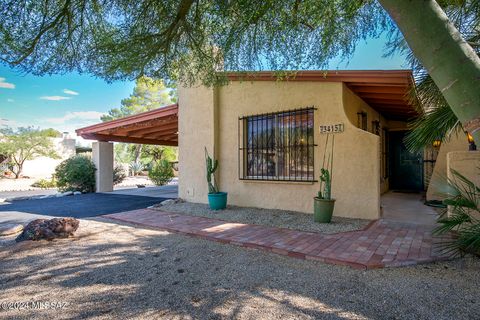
[
  {"x": 325, "y": 191},
  {"x": 211, "y": 166},
  {"x": 323, "y": 204}
]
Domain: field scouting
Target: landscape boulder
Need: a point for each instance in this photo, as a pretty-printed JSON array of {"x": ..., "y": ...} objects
[{"x": 49, "y": 229}]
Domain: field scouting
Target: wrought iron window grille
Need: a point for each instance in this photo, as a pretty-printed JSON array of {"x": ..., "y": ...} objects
[{"x": 277, "y": 146}]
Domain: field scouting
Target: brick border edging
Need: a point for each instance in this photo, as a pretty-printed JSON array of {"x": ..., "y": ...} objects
[
  {"x": 249, "y": 245},
  {"x": 298, "y": 252}
]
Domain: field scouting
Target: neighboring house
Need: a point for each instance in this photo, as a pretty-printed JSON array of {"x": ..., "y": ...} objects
[
  {"x": 44, "y": 167},
  {"x": 269, "y": 137}
]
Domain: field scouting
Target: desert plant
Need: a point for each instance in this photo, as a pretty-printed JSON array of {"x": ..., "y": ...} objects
[
  {"x": 326, "y": 171},
  {"x": 45, "y": 184},
  {"x": 135, "y": 168},
  {"x": 161, "y": 172},
  {"x": 118, "y": 175},
  {"x": 76, "y": 174},
  {"x": 212, "y": 166},
  {"x": 461, "y": 216}
]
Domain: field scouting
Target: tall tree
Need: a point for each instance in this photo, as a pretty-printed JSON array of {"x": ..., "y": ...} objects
[
  {"x": 26, "y": 144},
  {"x": 449, "y": 59},
  {"x": 148, "y": 94},
  {"x": 188, "y": 40},
  {"x": 436, "y": 120}
]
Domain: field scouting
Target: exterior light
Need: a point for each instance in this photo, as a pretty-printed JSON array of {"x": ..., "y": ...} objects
[
  {"x": 471, "y": 142},
  {"x": 470, "y": 138},
  {"x": 437, "y": 143}
]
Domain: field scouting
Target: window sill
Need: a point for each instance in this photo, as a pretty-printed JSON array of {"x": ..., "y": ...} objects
[{"x": 299, "y": 182}]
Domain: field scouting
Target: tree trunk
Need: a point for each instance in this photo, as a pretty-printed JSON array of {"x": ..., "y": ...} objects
[
  {"x": 138, "y": 151},
  {"x": 449, "y": 59},
  {"x": 18, "y": 171}
]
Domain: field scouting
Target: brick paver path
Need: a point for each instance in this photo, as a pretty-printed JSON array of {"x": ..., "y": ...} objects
[{"x": 381, "y": 244}]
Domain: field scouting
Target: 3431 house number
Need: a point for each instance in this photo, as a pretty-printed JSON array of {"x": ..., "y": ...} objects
[{"x": 332, "y": 128}]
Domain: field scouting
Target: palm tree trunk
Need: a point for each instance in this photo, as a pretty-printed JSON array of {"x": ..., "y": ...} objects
[{"x": 449, "y": 59}]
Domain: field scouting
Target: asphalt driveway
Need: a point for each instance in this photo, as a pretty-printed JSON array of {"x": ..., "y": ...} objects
[{"x": 82, "y": 206}]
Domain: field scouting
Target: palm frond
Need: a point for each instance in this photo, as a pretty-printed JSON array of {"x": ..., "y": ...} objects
[
  {"x": 464, "y": 206},
  {"x": 438, "y": 123},
  {"x": 453, "y": 222}
]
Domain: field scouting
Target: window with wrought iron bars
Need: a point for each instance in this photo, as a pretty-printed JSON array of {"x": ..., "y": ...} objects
[{"x": 277, "y": 146}]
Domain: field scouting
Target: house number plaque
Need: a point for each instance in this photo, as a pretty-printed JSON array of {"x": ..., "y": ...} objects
[{"x": 332, "y": 128}]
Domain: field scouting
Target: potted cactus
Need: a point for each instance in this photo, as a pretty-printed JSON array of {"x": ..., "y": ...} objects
[
  {"x": 323, "y": 203},
  {"x": 216, "y": 200}
]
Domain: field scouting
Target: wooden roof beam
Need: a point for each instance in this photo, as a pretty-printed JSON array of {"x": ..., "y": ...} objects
[
  {"x": 387, "y": 102},
  {"x": 389, "y": 96},
  {"x": 111, "y": 138},
  {"x": 377, "y": 89},
  {"x": 147, "y": 130}
]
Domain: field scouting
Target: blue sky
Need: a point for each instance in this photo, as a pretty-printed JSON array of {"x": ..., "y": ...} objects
[{"x": 67, "y": 102}]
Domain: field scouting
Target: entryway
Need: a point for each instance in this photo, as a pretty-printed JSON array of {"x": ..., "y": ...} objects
[
  {"x": 406, "y": 168},
  {"x": 407, "y": 208}
]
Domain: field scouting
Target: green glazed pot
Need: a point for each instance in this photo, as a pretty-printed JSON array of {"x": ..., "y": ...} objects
[
  {"x": 217, "y": 201},
  {"x": 323, "y": 210}
]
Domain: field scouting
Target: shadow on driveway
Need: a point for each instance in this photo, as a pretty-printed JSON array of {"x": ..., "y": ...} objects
[{"x": 81, "y": 206}]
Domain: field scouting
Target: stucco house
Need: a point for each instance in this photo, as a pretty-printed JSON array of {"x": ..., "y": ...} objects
[{"x": 268, "y": 135}]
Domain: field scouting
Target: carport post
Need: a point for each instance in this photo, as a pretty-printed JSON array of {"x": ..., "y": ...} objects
[{"x": 102, "y": 156}]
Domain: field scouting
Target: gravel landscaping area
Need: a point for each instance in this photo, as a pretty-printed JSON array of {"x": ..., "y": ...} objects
[
  {"x": 267, "y": 217},
  {"x": 115, "y": 271},
  {"x": 7, "y": 240}
]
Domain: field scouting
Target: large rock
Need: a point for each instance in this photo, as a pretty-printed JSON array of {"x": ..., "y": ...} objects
[{"x": 49, "y": 229}]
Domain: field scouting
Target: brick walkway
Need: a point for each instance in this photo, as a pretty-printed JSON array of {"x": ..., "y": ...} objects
[{"x": 381, "y": 244}]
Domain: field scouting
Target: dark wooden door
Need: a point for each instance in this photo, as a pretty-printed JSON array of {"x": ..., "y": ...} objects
[{"x": 406, "y": 168}]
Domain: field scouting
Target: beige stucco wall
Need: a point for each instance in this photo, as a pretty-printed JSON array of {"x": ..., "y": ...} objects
[
  {"x": 44, "y": 167},
  {"x": 438, "y": 182},
  {"x": 356, "y": 173},
  {"x": 353, "y": 104},
  {"x": 195, "y": 131},
  {"x": 467, "y": 163}
]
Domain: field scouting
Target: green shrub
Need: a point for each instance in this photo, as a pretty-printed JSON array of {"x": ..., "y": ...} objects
[
  {"x": 161, "y": 172},
  {"x": 45, "y": 184},
  {"x": 118, "y": 175},
  {"x": 76, "y": 174}
]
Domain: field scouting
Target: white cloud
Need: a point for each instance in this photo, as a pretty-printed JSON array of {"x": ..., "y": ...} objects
[
  {"x": 10, "y": 100},
  {"x": 54, "y": 98},
  {"x": 7, "y": 123},
  {"x": 6, "y": 85},
  {"x": 79, "y": 117},
  {"x": 71, "y": 92}
]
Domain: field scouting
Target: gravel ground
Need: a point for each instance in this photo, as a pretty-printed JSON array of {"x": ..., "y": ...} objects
[
  {"x": 267, "y": 217},
  {"x": 7, "y": 240},
  {"x": 115, "y": 271}
]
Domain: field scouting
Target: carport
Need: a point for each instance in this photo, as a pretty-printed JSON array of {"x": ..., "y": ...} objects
[{"x": 157, "y": 127}]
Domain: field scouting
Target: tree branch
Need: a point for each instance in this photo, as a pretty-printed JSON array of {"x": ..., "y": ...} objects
[{"x": 43, "y": 30}]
